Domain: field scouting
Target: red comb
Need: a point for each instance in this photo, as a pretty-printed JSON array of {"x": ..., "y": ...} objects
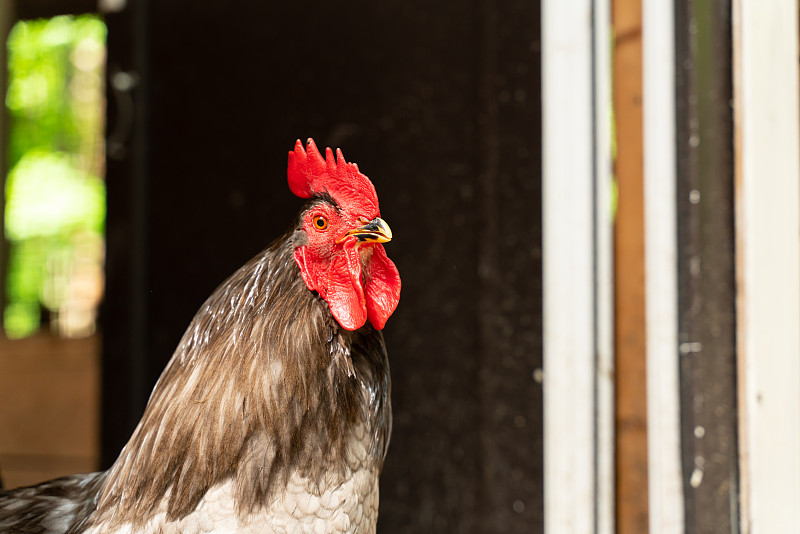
[{"x": 309, "y": 173}]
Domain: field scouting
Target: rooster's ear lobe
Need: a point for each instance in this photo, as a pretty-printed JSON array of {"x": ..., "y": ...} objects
[{"x": 305, "y": 272}]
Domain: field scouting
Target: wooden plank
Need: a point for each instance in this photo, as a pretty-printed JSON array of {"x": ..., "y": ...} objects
[
  {"x": 665, "y": 484},
  {"x": 49, "y": 407},
  {"x": 630, "y": 340},
  {"x": 706, "y": 283},
  {"x": 568, "y": 266},
  {"x": 604, "y": 268},
  {"x": 768, "y": 262}
]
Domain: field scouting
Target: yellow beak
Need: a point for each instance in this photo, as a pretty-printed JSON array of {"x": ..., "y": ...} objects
[{"x": 375, "y": 231}]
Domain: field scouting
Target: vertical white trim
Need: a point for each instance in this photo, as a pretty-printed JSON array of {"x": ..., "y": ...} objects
[
  {"x": 768, "y": 262},
  {"x": 604, "y": 224},
  {"x": 570, "y": 306},
  {"x": 665, "y": 486}
]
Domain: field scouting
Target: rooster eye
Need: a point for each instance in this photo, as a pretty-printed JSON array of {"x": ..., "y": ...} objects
[{"x": 320, "y": 222}]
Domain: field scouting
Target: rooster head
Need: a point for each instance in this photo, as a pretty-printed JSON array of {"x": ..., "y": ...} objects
[{"x": 342, "y": 257}]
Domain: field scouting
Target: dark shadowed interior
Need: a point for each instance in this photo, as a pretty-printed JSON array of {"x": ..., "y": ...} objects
[{"x": 439, "y": 104}]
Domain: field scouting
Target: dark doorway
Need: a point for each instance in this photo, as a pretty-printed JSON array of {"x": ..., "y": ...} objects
[{"x": 439, "y": 103}]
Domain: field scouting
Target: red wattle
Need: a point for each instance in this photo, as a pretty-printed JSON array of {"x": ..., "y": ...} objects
[{"x": 383, "y": 288}]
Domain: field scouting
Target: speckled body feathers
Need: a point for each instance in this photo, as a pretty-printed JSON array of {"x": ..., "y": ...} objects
[{"x": 268, "y": 418}]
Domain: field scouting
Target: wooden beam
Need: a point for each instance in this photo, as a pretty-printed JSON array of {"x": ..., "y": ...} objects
[
  {"x": 568, "y": 267},
  {"x": 630, "y": 339},
  {"x": 705, "y": 262},
  {"x": 664, "y": 472},
  {"x": 604, "y": 267},
  {"x": 765, "y": 36}
]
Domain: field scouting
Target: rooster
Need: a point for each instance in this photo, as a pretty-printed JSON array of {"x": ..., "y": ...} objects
[{"x": 273, "y": 415}]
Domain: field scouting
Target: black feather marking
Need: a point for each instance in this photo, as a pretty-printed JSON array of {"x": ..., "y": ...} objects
[
  {"x": 324, "y": 196},
  {"x": 59, "y": 506}
]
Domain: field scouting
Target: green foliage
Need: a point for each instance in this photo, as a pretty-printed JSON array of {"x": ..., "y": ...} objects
[
  {"x": 49, "y": 196},
  {"x": 54, "y": 191}
]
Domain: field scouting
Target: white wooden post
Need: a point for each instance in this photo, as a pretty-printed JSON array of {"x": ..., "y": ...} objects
[
  {"x": 665, "y": 484},
  {"x": 604, "y": 273},
  {"x": 768, "y": 262},
  {"x": 578, "y": 428}
]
